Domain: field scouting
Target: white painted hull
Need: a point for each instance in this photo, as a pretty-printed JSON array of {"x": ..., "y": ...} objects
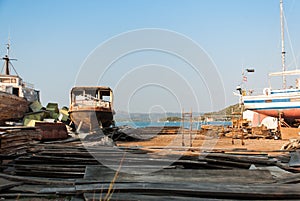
[{"x": 284, "y": 102}]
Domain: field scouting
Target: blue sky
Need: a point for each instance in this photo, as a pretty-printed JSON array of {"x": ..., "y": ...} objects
[{"x": 53, "y": 38}]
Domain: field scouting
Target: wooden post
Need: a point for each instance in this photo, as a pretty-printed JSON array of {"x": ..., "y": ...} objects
[
  {"x": 79, "y": 127},
  {"x": 279, "y": 123},
  {"x": 191, "y": 128},
  {"x": 185, "y": 115}
]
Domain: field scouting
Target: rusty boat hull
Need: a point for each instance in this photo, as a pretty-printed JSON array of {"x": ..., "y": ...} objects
[
  {"x": 89, "y": 120},
  {"x": 91, "y": 108},
  {"x": 12, "y": 107},
  {"x": 15, "y": 94}
]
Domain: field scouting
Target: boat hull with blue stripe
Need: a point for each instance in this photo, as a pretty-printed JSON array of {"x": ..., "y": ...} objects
[{"x": 284, "y": 102}]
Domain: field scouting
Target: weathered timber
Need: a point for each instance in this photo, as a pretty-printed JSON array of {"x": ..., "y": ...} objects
[
  {"x": 6, "y": 184},
  {"x": 16, "y": 142},
  {"x": 37, "y": 180},
  {"x": 41, "y": 189},
  {"x": 54, "y": 160},
  {"x": 49, "y": 171},
  {"x": 50, "y": 174},
  {"x": 145, "y": 197},
  {"x": 292, "y": 179},
  {"x": 286, "y": 167},
  {"x": 41, "y": 167},
  {"x": 225, "y": 163},
  {"x": 221, "y": 190},
  {"x": 241, "y": 158},
  {"x": 238, "y": 176},
  {"x": 27, "y": 196}
]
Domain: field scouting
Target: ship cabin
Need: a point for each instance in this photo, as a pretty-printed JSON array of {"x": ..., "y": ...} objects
[
  {"x": 14, "y": 84},
  {"x": 92, "y": 97}
]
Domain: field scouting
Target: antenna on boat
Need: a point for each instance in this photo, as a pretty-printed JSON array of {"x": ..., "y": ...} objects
[
  {"x": 282, "y": 44},
  {"x": 7, "y": 60}
]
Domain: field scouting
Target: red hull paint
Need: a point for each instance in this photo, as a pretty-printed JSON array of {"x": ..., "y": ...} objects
[{"x": 287, "y": 114}]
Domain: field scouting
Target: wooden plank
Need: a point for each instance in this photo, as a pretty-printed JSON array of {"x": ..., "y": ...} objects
[
  {"x": 216, "y": 150},
  {"x": 35, "y": 180},
  {"x": 144, "y": 197},
  {"x": 28, "y": 188},
  {"x": 6, "y": 184},
  {"x": 286, "y": 167},
  {"x": 4, "y": 128},
  {"x": 226, "y": 163},
  {"x": 55, "y": 160},
  {"x": 237, "y": 176},
  {"x": 291, "y": 179},
  {"x": 221, "y": 190},
  {"x": 50, "y": 174},
  {"x": 49, "y": 167},
  {"x": 67, "y": 153},
  {"x": 242, "y": 158},
  {"x": 59, "y": 190},
  {"x": 40, "y": 189},
  {"x": 27, "y": 196},
  {"x": 275, "y": 171}
]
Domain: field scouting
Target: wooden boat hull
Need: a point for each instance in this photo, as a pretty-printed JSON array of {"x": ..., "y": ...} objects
[
  {"x": 91, "y": 108},
  {"x": 12, "y": 107},
  {"x": 89, "y": 120}
]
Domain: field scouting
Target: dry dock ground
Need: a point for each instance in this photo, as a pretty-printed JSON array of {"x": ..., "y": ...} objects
[
  {"x": 162, "y": 166},
  {"x": 200, "y": 143}
]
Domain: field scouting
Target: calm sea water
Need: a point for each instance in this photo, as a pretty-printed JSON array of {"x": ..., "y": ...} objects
[{"x": 195, "y": 125}]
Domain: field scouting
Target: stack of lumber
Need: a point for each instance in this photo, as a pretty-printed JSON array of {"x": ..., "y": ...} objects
[
  {"x": 53, "y": 160},
  {"x": 214, "y": 130},
  {"x": 127, "y": 133},
  {"x": 16, "y": 142}
]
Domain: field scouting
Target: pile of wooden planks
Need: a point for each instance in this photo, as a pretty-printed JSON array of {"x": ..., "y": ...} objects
[
  {"x": 16, "y": 142},
  {"x": 88, "y": 170}
]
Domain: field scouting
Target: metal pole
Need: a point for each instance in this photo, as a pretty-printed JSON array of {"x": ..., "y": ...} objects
[
  {"x": 282, "y": 44},
  {"x": 191, "y": 124},
  {"x": 182, "y": 128}
]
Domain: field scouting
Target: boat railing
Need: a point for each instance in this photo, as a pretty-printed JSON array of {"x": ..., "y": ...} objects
[
  {"x": 252, "y": 92},
  {"x": 269, "y": 91},
  {"x": 93, "y": 103},
  {"x": 28, "y": 85}
]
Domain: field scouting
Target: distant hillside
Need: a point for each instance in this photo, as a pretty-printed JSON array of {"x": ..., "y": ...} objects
[
  {"x": 170, "y": 116},
  {"x": 124, "y": 116},
  {"x": 233, "y": 109}
]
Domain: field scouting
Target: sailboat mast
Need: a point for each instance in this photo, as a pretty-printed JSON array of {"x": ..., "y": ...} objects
[{"x": 282, "y": 44}]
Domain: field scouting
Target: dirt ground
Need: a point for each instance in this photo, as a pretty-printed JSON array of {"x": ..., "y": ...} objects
[{"x": 202, "y": 143}]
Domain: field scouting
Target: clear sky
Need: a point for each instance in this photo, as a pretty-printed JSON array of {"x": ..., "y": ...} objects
[{"x": 52, "y": 40}]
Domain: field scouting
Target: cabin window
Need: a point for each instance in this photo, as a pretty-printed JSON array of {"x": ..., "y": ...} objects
[
  {"x": 105, "y": 95},
  {"x": 91, "y": 95},
  {"x": 5, "y": 80},
  {"x": 106, "y": 98}
]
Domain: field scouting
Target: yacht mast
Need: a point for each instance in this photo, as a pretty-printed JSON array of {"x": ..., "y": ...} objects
[{"x": 282, "y": 44}]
